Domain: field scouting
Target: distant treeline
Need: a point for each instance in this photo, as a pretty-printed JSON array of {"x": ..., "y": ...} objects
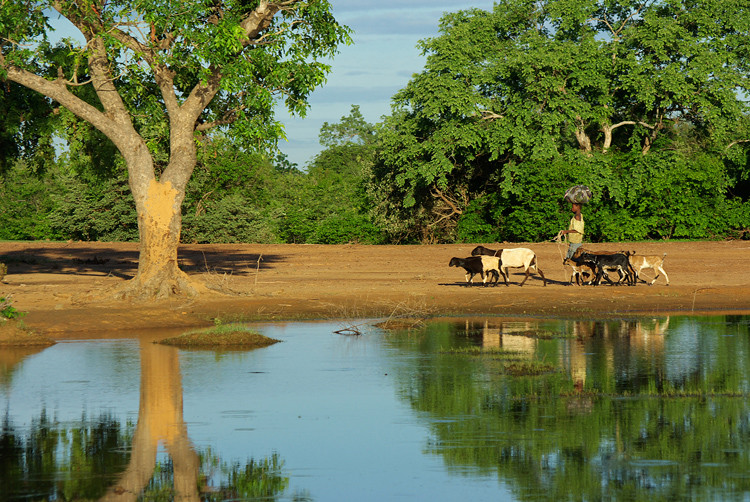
[{"x": 343, "y": 197}]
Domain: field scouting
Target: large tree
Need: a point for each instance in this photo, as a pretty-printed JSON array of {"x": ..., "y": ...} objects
[
  {"x": 533, "y": 82},
  {"x": 163, "y": 73}
]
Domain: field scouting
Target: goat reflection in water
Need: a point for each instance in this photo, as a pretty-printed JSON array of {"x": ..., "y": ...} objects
[{"x": 522, "y": 338}]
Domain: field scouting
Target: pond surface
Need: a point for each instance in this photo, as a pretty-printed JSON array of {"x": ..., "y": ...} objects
[{"x": 484, "y": 409}]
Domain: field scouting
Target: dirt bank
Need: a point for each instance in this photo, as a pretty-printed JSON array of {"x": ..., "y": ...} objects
[{"x": 63, "y": 286}]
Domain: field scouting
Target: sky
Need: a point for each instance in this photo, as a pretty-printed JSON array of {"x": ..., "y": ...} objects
[{"x": 379, "y": 63}]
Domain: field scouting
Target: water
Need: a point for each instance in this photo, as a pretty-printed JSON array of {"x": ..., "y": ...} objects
[{"x": 651, "y": 409}]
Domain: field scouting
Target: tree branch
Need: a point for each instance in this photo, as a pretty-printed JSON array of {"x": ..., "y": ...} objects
[
  {"x": 254, "y": 24},
  {"x": 437, "y": 193},
  {"x": 735, "y": 142},
  {"x": 58, "y": 91},
  {"x": 633, "y": 122},
  {"x": 229, "y": 117},
  {"x": 490, "y": 115}
]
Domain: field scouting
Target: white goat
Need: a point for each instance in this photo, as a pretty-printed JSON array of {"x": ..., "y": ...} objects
[
  {"x": 654, "y": 262},
  {"x": 512, "y": 258}
]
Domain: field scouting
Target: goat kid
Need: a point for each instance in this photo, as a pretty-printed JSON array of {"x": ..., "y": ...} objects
[
  {"x": 579, "y": 271},
  {"x": 589, "y": 268},
  {"x": 654, "y": 262},
  {"x": 512, "y": 258}
]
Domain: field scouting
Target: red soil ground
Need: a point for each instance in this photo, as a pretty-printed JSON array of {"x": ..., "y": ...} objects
[{"x": 64, "y": 288}]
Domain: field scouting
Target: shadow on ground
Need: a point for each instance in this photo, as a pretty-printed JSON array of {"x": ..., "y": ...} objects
[{"x": 124, "y": 264}]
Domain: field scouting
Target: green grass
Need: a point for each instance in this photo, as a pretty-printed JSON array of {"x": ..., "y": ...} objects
[
  {"x": 510, "y": 361},
  {"x": 480, "y": 351},
  {"x": 225, "y": 336},
  {"x": 528, "y": 368}
]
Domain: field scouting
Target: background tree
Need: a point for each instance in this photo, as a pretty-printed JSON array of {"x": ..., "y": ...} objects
[
  {"x": 516, "y": 104},
  {"x": 162, "y": 75},
  {"x": 331, "y": 203},
  {"x": 233, "y": 195},
  {"x": 26, "y": 122}
]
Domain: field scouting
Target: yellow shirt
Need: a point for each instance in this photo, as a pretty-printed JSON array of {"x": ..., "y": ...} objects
[{"x": 576, "y": 225}]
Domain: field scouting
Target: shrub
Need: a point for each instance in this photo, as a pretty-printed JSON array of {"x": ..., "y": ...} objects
[{"x": 7, "y": 310}]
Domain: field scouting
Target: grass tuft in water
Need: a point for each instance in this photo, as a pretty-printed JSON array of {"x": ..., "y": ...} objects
[
  {"x": 480, "y": 351},
  {"x": 511, "y": 362},
  {"x": 14, "y": 333},
  {"x": 223, "y": 336},
  {"x": 529, "y": 368}
]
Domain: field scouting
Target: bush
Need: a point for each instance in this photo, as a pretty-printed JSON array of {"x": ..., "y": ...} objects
[
  {"x": 346, "y": 228},
  {"x": 25, "y": 201},
  {"x": 230, "y": 219},
  {"x": 475, "y": 225},
  {"x": 94, "y": 210},
  {"x": 7, "y": 310}
]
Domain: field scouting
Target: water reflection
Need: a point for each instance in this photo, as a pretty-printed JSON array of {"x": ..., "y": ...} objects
[
  {"x": 10, "y": 359},
  {"x": 99, "y": 459},
  {"x": 638, "y": 409},
  {"x": 159, "y": 420},
  {"x": 648, "y": 409}
]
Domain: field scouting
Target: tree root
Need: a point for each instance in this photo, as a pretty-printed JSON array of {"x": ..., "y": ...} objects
[{"x": 161, "y": 287}]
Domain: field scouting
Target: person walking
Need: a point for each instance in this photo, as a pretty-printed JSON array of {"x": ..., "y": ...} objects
[{"x": 575, "y": 229}]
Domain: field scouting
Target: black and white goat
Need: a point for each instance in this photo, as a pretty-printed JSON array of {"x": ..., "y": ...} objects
[
  {"x": 587, "y": 268},
  {"x": 512, "y": 258},
  {"x": 603, "y": 263},
  {"x": 474, "y": 265}
]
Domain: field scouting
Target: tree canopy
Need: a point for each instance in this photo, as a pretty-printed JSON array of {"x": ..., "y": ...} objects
[
  {"x": 154, "y": 75},
  {"x": 167, "y": 117},
  {"x": 587, "y": 86}
]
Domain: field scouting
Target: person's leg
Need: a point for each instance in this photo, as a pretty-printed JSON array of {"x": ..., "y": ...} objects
[{"x": 572, "y": 246}]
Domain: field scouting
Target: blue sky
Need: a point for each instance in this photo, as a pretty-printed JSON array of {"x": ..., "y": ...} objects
[
  {"x": 368, "y": 73},
  {"x": 382, "y": 60}
]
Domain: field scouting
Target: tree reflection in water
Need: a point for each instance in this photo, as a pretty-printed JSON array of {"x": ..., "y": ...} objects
[
  {"x": 102, "y": 459},
  {"x": 625, "y": 410},
  {"x": 637, "y": 410}
]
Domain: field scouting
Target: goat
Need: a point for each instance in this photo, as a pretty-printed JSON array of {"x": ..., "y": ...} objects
[
  {"x": 477, "y": 265},
  {"x": 578, "y": 271},
  {"x": 606, "y": 262},
  {"x": 512, "y": 258},
  {"x": 654, "y": 262},
  {"x": 589, "y": 268}
]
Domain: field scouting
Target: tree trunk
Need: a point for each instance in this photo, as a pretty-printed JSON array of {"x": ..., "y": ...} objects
[
  {"x": 160, "y": 420},
  {"x": 607, "y": 130},
  {"x": 159, "y": 226},
  {"x": 159, "y": 207},
  {"x": 584, "y": 142}
]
